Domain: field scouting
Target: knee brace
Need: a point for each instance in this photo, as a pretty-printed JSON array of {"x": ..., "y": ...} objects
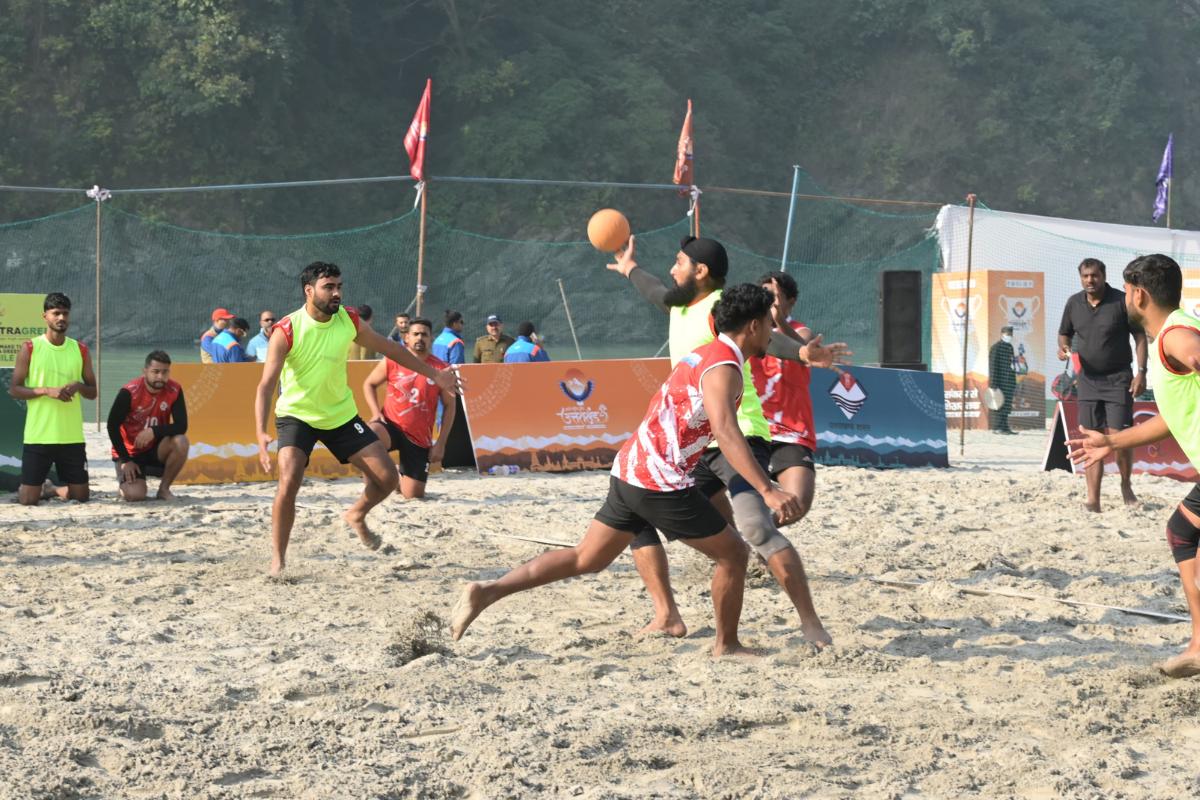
[
  {"x": 756, "y": 524},
  {"x": 1182, "y": 536}
]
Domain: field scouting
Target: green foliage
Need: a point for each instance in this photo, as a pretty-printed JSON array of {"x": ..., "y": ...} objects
[{"x": 1045, "y": 106}]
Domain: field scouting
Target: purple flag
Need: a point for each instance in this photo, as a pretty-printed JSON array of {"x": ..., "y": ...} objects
[{"x": 1163, "y": 181}]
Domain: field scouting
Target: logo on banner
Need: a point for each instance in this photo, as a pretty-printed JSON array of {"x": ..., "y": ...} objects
[
  {"x": 956, "y": 312},
  {"x": 576, "y": 386},
  {"x": 848, "y": 395},
  {"x": 1019, "y": 311}
]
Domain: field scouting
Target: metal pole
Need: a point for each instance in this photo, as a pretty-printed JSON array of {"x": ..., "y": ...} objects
[
  {"x": 571, "y": 324},
  {"x": 421, "y": 251},
  {"x": 99, "y": 351},
  {"x": 962, "y": 432},
  {"x": 1169, "y": 203},
  {"x": 787, "y": 237}
]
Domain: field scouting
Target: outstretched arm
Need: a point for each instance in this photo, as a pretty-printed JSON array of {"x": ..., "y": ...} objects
[
  {"x": 647, "y": 285},
  {"x": 445, "y": 378}
]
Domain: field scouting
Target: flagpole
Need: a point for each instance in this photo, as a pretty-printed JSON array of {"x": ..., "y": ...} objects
[
  {"x": 1169, "y": 201},
  {"x": 421, "y": 250}
]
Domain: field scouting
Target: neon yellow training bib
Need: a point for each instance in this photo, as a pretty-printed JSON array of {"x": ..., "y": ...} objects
[
  {"x": 1178, "y": 396},
  {"x": 47, "y": 420},
  {"x": 690, "y": 328},
  {"x": 314, "y": 385}
]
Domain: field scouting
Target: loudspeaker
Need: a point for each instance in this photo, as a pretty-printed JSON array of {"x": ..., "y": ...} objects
[{"x": 900, "y": 334}]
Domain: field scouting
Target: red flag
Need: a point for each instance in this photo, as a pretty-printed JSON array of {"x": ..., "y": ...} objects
[
  {"x": 414, "y": 140},
  {"x": 684, "y": 173}
]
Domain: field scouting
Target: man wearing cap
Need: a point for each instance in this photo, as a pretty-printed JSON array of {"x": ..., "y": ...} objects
[
  {"x": 490, "y": 348},
  {"x": 698, "y": 275},
  {"x": 1002, "y": 376},
  {"x": 220, "y": 321}
]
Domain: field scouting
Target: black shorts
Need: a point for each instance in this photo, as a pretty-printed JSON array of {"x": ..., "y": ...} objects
[
  {"x": 1192, "y": 501},
  {"x": 683, "y": 514},
  {"x": 714, "y": 473},
  {"x": 414, "y": 459},
  {"x": 785, "y": 455},
  {"x": 147, "y": 462},
  {"x": 342, "y": 441},
  {"x": 69, "y": 460},
  {"x": 1105, "y": 401}
]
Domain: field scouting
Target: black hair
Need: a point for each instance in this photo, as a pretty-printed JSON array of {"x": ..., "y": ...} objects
[
  {"x": 1094, "y": 263},
  {"x": 420, "y": 321},
  {"x": 526, "y": 329},
  {"x": 740, "y": 305},
  {"x": 158, "y": 355},
  {"x": 317, "y": 270},
  {"x": 1159, "y": 275},
  {"x": 56, "y": 300},
  {"x": 405, "y": 314},
  {"x": 452, "y": 317},
  {"x": 785, "y": 282},
  {"x": 239, "y": 322},
  {"x": 365, "y": 312}
]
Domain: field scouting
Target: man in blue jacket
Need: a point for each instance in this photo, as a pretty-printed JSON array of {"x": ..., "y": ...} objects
[
  {"x": 524, "y": 349},
  {"x": 448, "y": 346},
  {"x": 227, "y": 348}
]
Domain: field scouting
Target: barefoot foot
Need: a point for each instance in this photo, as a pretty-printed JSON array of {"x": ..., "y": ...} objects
[
  {"x": 1093, "y": 507},
  {"x": 672, "y": 626},
  {"x": 470, "y": 604},
  {"x": 735, "y": 650},
  {"x": 1184, "y": 665},
  {"x": 358, "y": 524},
  {"x": 165, "y": 494},
  {"x": 816, "y": 635},
  {"x": 276, "y": 570},
  {"x": 1129, "y": 497}
]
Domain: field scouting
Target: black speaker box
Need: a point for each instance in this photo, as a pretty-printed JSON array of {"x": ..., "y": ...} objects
[{"x": 900, "y": 334}]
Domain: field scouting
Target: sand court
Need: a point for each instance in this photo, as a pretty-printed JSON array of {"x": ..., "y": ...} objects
[{"x": 145, "y": 654}]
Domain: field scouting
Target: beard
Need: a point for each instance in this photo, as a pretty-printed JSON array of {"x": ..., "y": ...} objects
[
  {"x": 1135, "y": 317},
  {"x": 418, "y": 347},
  {"x": 329, "y": 307},
  {"x": 681, "y": 294},
  {"x": 156, "y": 385}
]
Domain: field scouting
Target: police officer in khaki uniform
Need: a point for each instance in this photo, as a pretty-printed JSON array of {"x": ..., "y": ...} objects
[{"x": 489, "y": 348}]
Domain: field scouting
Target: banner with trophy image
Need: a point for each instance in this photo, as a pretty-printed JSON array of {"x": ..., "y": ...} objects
[{"x": 1004, "y": 386}]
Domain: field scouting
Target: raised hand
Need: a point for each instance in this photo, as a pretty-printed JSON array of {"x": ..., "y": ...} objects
[{"x": 626, "y": 261}]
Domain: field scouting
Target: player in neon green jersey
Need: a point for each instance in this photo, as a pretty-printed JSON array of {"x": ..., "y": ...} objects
[
  {"x": 51, "y": 373},
  {"x": 307, "y": 352},
  {"x": 698, "y": 273},
  {"x": 1152, "y": 288}
]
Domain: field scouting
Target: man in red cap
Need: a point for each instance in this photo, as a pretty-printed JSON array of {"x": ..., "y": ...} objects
[{"x": 220, "y": 321}]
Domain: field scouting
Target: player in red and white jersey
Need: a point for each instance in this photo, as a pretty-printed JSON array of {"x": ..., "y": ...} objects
[
  {"x": 409, "y": 411},
  {"x": 651, "y": 484},
  {"x": 147, "y": 426},
  {"x": 783, "y": 387}
]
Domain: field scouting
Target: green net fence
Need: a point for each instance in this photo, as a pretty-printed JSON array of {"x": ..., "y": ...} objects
[{"x": 160, "y": 281}]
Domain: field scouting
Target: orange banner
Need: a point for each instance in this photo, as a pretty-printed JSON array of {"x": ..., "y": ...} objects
[
  {"x": 220, "y": 403},
  {"x": 557, "y": 416},
  {"x": 977, "y": 312}
]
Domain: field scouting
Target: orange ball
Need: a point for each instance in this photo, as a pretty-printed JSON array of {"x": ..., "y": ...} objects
[{"x": 608, "y": 230}]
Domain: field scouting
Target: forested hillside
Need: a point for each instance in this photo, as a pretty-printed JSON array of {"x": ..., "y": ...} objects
[{"x": 1047, "y": 106}]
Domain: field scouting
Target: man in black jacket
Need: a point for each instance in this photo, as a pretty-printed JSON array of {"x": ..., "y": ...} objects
[{"x": 1001, "y": 376}]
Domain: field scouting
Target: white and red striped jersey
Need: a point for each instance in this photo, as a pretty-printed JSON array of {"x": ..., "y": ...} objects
[
  {"x": 783, "y": 388},
  {"x": 667, "y": 445}
]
